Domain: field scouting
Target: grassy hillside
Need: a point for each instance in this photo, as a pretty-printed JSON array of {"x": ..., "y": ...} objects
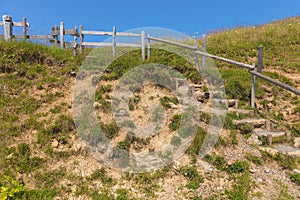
[
  {"x": 281, "y": 61},
  {"x": 41, "y": 156}
]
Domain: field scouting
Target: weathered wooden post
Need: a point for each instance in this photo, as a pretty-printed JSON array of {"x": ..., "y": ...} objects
[
  {"x": 114, "y": 33},
  {"x": 55, "y": 34},
  {"x": 7, "y": 23},
  {"x": 61, "y": 35},
  {"x": 253, "y": 88},
  {"x": 143, "y": 44},
  {"x": 197, "y": 59},
  {"x": 269, "y": 139},
  {"x": 204, "y": 49},
  {"x": 148, "y": 45},
  {"x": 81, "y": 38},
  {"x": 24, "y": 28},
  {"x": 260, "y": 59},
  {"x": 75, "y": 41}
]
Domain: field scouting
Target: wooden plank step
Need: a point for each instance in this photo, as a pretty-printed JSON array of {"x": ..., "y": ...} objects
[
  {"x": 288, "y": 150},
  {"x": 241, "y": 111},
  {"x": 265, "y": 133},
  {"x": 255, "y": 122},
  {"x": 229, "y": 102}
]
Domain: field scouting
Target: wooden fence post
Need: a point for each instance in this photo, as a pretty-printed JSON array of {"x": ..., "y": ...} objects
[
  {"x": 61, "y": 35},
  {"x": 197, "y": 59},
  {"x": 24, "y": 28},
  {"x": 260, "y": 59},
  {"x": 253, "y": 89},
  {"x": 7, "y": 23},
  {"x": 81, "y": 38},
  {"x": 143, "y": 44},
  {"x": 75, "y": 41},
  {"x": 148, "y": 44},
  {"x": 53, "y": 34},
  {"x": 114, "y": 33},
  {"x": 204, "y": 49}
]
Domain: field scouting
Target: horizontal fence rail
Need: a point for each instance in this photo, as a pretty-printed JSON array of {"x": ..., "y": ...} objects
[
  {"x": 172, "y": 43},
  {"x": 251, "y": 67},
  {"x": 275, "y": 82}
]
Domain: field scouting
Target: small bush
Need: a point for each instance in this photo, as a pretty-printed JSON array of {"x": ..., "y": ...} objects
[{"x": 10, "y": 188}]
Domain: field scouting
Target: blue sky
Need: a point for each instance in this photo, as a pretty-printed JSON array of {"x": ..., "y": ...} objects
[{"x": 184, "y": 16}]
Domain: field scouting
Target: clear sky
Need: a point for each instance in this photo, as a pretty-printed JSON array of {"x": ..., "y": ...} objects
[{"x": 185, "y": 16}]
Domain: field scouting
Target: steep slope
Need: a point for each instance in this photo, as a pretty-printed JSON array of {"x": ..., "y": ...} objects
[{"x": 42, "y": 157}]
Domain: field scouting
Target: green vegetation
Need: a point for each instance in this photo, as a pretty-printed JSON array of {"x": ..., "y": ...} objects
[
  {"x": 134, "y": 101},
  {"x": 35, "y": 85},
  {"x": 191, "y": 173},
  {"x": 165, "y": 101},
  {"x": 110, "y": 130},
  {"x": 295, "y": 178},
  {"x": 175, "y": 122}
]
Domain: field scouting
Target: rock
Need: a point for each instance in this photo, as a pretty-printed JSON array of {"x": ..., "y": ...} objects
[
  {"x": 77, "y": 147},
  {"x": 252, "y": 170},
  {"x": 297, "y": 171},
  {"x": 34, "y": 132},
  {"x": 173, "y": 106},
  {"x": 73, "y": 74},
  {"x": 269, "y": 150},
  {"x": 297, "y": 142},
  {"x": 54, "y": 143},
  {"x": 259, "y": 180},
  {"x": 267, "y": 170},
  {"x": 96, "y": 105},
  {"x": 253, "y": 140}
]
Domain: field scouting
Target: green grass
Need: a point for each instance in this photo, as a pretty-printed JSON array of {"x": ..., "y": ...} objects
[
  {"x": 33, "y": 77},
  {"x": 191, "y": 173},
  {"x": 175, "y": 122}
]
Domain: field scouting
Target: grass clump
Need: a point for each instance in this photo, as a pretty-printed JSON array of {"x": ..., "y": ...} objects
[
  {"x": 175, "y": 122},
  {"x": 191, "y": 173},
  {"x": 218, "y": 161},
  {"x": 295, "y": 178},
  {"x": 165, "y": 101},
  {"x": 133, "y": 102},
  {"x": 111, "y": 130}
]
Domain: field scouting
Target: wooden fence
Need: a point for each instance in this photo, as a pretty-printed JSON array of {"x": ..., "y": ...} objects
[
  {"x": 58, "y": 37},
  {"x": 58, "y": 34}
]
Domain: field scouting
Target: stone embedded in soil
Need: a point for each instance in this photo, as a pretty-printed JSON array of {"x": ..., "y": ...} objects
[
  {"x": 297, "y": 171},
  {"x": 252, "y": 170},
  {"x": 297, "y": 142},
  {"x": 54, "y": 143},
  {"x": 253, "y": 140}
]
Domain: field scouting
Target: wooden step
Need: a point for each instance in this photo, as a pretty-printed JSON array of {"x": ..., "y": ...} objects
[
  {"x": 241, "y": 111},
  {"x": 228, "y": 102},
  {"x": 257, "y": 123},
  {"x": 265, "y": 133},
  {"x": 272, "y": 134},
  {"x": 288, "y": 150}
]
